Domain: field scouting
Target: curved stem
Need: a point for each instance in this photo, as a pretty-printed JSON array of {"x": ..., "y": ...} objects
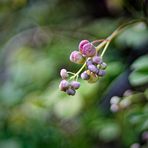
[
  {"x": 108, "y": 39},
  {"x": 78, "y": 72},
  {"x": 105, "y": 48},
  {"x": 116, "y": 32},
  {"x": 70, "y": 73}
]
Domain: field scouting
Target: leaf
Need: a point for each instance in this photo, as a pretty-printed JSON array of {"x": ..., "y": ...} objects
[
  {"x": 109, "y": 132},
  {"x": 138, "y": 78},
  {"x": 141, "y": 63},
  {"x": 140, "y": 74},
  {"x": 133, "y": 36}
]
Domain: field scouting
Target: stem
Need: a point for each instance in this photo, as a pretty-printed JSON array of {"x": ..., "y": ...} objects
[
  {"x": 116, "y": 32},
  {"x": 77, "y": 74},
  {"x": 105, "y": 48},
  {"x": 70, "y": 73},
  {"x": 108, "y": 39}
]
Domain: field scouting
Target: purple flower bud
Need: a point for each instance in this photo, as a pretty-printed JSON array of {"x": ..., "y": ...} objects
[
  {"x": 63, "y": 73},
  {"x": 89, "y": 50},
  {"x": 81, "y": 44},
  {"x": 103, "y": 65},
  {"x": 93, "y": 68},
  {"x": 97, "y": 60},
  {"x": 85, "y": 76},
  {"x": 76, "y": 57},
  {"x": 101, "y": 73},
  {"x": 70, "y": 91},
  {"x": 75, "y": 84},
  {"x": 89, "y": 62},
  {"x": 63, "y": 85}
]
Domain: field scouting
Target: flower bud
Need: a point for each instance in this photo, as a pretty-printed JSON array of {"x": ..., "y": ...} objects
[
  {"x": 63, "y": 73},
  {"x": 97, "y": 60},
  {"x": 81, "y": 44},
  {"x": 93, "y": 68},
  {"x": 75, "y": 84},
  {"x": 101, "y": 73},
  {"x": 63, "y": 85},
  {"x": 77, "y": 57},
  {"x": 114, "y": 108},
  {"x": 89, "y": 62},
  {"x": 89, "y": 50},
  {"x": 70, "y": 91},
  {"x": 85, "y": 76}
]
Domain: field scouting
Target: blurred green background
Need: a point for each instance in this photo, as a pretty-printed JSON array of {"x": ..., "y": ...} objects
[{"x": 36, "y": 39}]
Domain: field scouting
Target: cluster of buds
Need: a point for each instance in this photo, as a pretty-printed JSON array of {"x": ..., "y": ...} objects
[
  {"x": 92, "y": 62},
  {"x": 68, "y": 87},
  {"x": 117, "y": 104},
  {"x": 95, "y": 69}
]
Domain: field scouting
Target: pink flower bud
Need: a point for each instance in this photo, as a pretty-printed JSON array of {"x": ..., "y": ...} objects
[
  {"x": 81, "y": 44},
  {"x": 89, "y": 50},
  {"x": 75, "y": 84},
  {"x": 64, "y": 85},
  {"x": 77, "y": 57},
  {"x": 63, "y": 73}
]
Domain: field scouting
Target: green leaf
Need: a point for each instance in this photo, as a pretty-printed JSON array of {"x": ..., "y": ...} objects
[
  {"x": 140, "y": 74},
  {"x": 133, "y": 36},
  {"x": 141, "y": 63},
  {"x": 138, "y": 78},
  {"x": 109, "y": 132}
]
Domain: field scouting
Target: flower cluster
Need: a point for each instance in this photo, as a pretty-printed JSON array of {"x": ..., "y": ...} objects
[
  {"x": 68, "y": 87},
  {"x": 117, "y": 104},
  {"x": 95, "y": 69},
  {"x": 92, "y": 62}
]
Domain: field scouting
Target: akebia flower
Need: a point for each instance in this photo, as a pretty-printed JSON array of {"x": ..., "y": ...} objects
[
  {"x": 91, "y": 57},
  {"x": 92, "y": 63}
]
